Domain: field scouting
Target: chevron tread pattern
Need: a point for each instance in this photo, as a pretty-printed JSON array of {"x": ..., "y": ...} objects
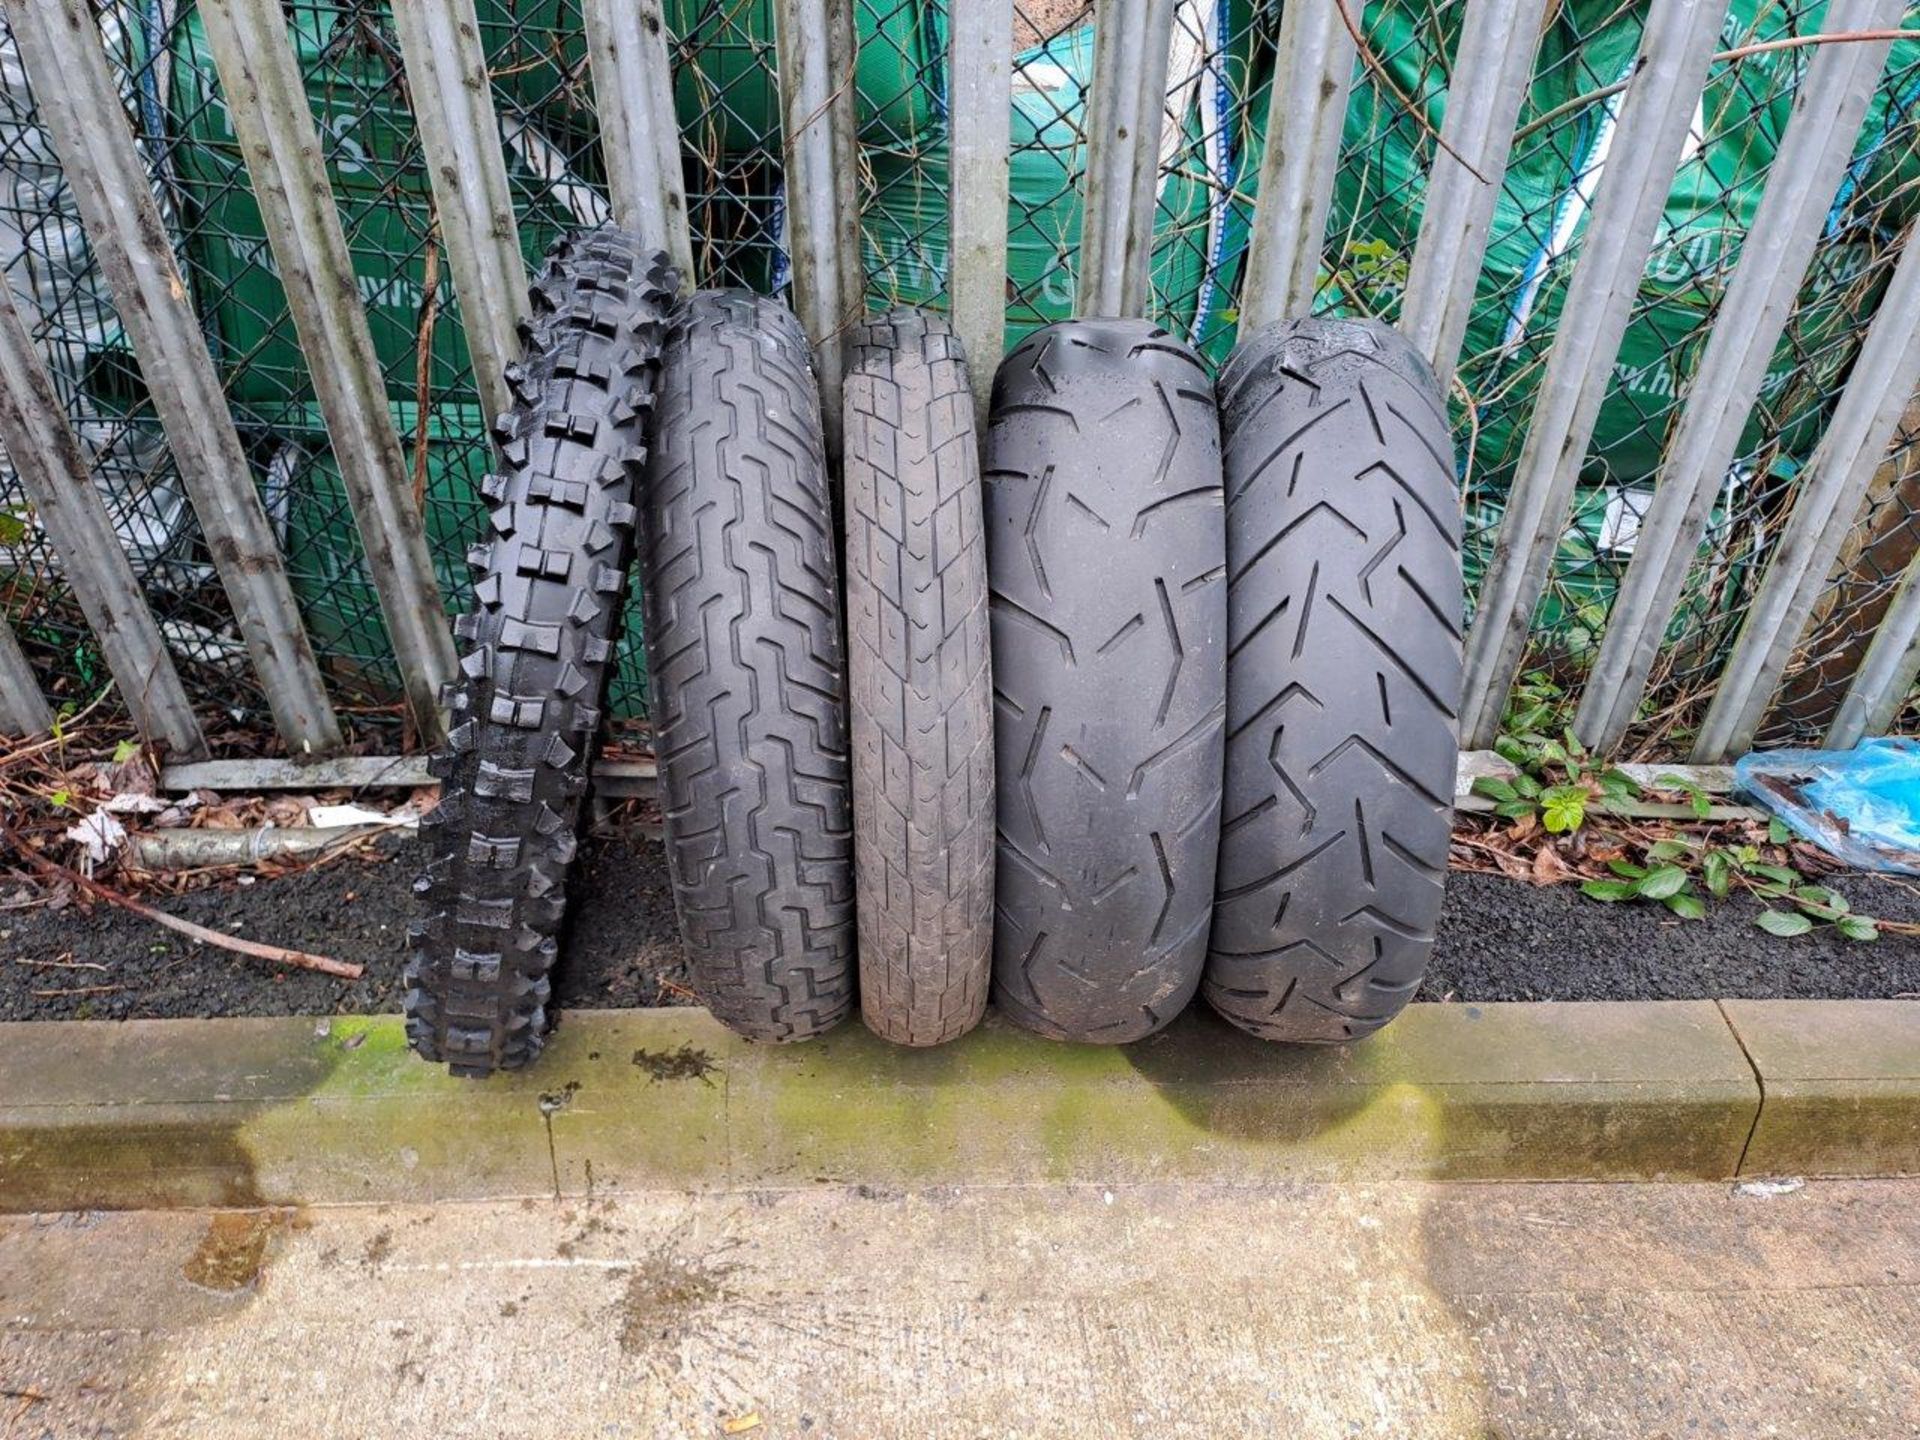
[
  {"x": 1106, "y": 554},
  {"x": 1343, "y": 680},
  {"x": 743, "y": 633},
  {"x": 525, "y": 709},
  {"x": 920, "y": 696}
]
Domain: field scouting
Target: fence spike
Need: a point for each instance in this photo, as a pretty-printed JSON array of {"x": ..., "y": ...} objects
[
  {"x": 1313, "y": 75},
  {"x": 460, "y": 138},
  {"x": 1675, "y": 48},
  {"x": 814, "y": 45},
  {"x": 23, "y": 709},
  {"x": 267, "y": 103},
  {"x": 979, "y": 102},
  {"x": 44, "y": 452},
  {"x": 1492, "y": 67},
  {"x": 639, "y": 133},
  {"x": 1835, "y": 483},
  {"x": 1126, "y": 112},
  {"x": 80, "y": 106},
  {"x": 1808, "y": 168}
]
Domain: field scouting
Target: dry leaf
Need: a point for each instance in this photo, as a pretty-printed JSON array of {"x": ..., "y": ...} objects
[
  {"x": 1548, "y": 867},
  {"x": 741, "y": 1424}
]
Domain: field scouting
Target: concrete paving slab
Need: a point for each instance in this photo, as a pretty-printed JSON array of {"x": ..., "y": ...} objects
[
  {"x": 1840, "y": 1082},
  {"x": 1527, "y": 1312},
  {"x": 157, "y": 1113}
]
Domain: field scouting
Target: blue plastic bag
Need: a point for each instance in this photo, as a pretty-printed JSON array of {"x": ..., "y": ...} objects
[{"x": 1861, "y": 806}]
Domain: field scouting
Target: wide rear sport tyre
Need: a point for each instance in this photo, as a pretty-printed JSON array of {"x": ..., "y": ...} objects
[
  {"x": 526, "y": 708},
  {"x": 1106, "y": 551},
  {"x": 748, "y": 681},
  {"x": 1343, "y": 679},
  {"x": 921, "y": 699}
]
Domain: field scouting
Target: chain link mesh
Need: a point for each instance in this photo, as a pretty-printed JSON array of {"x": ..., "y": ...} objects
[{"x": 1220, "y": 75}]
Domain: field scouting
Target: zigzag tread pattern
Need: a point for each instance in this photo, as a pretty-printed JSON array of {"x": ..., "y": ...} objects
[
  {"x": 1343, "y": 546},
  {"x": 920, "y": 696},
  {"x": 743, "y": 637},
  {"x": 525, "y": 708},
  {"x": 1106, "y": 556}
]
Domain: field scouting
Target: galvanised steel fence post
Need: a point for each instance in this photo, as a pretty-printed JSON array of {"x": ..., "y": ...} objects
[
  {"x": 460, "y": 134},
  {"x": 1675, "y": 48},
  {"x": 1863, "y": 428},
  {"x": 1819, "y": 142},
  {"x": 979, "y": 100},
  {"x": 1312, "y": 80},
  {"x": 44, "y": 452},
  {"x": 267, "y": 102},
  {"x": 639, "y": 133},
  {"x": 81, "y": 108},
  {"x": 23, "y": 710},
  {"x": 1125, "y": 114},
  {"x": 1492, "y": 65}
]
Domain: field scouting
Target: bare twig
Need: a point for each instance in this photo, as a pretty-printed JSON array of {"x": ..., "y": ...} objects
[
  {"x": 1795, "y": 42},
  {"x": 341, "y": 969},
  {"x": 1739, "y": 52},
  {"x": 1413, "y": 111}
]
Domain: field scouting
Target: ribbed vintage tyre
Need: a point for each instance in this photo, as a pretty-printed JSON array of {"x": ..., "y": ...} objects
[
  {"x": 526, "y": 706},
  {"x": 1106, "y": 551},
  {"x": 920, "y": 693},
  {"x": 742, "y": 606},
  {"x": 1343, "y": 682}
]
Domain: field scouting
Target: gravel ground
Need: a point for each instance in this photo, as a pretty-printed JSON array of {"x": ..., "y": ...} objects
[{"x": 1499, "y": 940}]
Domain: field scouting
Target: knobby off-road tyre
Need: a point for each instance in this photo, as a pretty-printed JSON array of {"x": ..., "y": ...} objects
[
  {"x": 920, "y": 696},
  {"x": 1343, "y": 681},
  {"x": 1106, "y": 550},
  {"x": 525, "y": 708},
  {"x": 743, "y": 637}
]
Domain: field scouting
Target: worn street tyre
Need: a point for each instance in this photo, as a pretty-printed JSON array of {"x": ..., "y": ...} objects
[
  {"x": 525, "y": 709},
  {"x": 920, "y": 698},
  {"x": 1106, "y": 551},
  {"x": 1343, "y": 682},
  {"x": 742, "y": 610}
]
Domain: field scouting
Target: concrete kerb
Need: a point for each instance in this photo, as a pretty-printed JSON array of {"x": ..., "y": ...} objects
[{"x": 167, "y": 1113}]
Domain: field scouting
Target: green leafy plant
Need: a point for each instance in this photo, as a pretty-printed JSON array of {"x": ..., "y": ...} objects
[
  {"x": 1559, "y": 788},
  {"x": 1556, "y": 780},
  {"x": 1679, "y": 870}
]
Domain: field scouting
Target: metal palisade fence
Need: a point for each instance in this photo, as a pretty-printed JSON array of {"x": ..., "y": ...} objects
[{"x": 266, "y": 260}]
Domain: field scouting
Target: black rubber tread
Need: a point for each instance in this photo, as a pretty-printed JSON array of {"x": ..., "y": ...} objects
[
  {"x": 1343, "y": 681},
  {"x": 743, "y": 635},
  {"x": 1106, "y": 550},
  {"x": 920, "y": 695},
  {"x": 526, "y": 707}
]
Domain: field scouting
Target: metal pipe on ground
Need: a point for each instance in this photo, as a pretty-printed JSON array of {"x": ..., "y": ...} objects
[{"x": 216, "y": 849}]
